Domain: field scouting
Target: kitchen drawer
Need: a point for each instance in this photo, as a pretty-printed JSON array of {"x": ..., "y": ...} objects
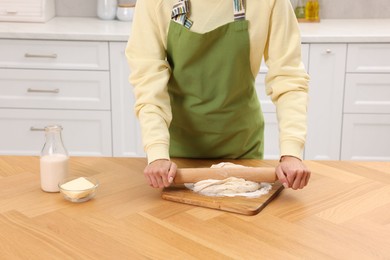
[
  {"x": 86, "y": 133},
  {"x": 366, "y": 137},
  {"x": 35, "y": 54},
  {"x": 367, "y": 93},
  {"x": 368, "y": 58},
  {"x": 54, "y": 89},
  {"x": 27, "y": 10}
]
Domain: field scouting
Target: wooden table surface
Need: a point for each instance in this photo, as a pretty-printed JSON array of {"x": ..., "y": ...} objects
[{"x": 344, "y": 213}]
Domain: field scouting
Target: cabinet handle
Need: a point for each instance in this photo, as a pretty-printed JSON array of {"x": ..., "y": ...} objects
[
  {"x": 33, "y": 128},
  {"x": 31, "y": 55},
  {"x": 43, "y": 90},
  {"x": 328, "y": 51},
  {"x": 11, "y": 12}
]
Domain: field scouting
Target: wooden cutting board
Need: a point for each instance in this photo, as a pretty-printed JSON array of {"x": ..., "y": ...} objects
[{"x": 241, "y": 205}]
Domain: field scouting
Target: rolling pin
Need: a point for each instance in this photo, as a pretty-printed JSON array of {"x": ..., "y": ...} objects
[{"x": 256, "y": 174}]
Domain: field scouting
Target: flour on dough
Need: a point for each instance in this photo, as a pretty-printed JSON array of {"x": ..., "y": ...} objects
[
  {"x": 231, "y": 186},
  {"x": 227, "y": 165}
]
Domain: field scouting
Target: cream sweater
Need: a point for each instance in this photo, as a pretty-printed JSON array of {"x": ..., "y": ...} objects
[{"x": 274, "y": 35}]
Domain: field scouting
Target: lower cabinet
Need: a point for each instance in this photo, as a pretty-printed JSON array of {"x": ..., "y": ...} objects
[
  {"x": 271, "y": 137},
  {"x": 366, "y": 137},
  {"x": 366, "y": 114},
  {"x": 271, "y": 129},
  {"x": 45, "y": 82},
  {"x": 327, "y": 72},
  {"x": 90, "y": 96},
  {"x": 127, "y": 141},
  {"x": 84, "y": 132}
]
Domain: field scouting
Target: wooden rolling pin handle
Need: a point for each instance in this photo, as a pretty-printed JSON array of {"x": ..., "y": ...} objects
[{"x": 256, "y": 174}]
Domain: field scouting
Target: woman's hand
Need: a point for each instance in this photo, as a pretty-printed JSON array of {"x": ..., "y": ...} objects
[
  {"x": 292, "y": 173},
  {"x": 160, "y": 173}
]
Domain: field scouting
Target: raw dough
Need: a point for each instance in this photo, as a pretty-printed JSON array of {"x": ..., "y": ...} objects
[
  {"x": 227, "y": 165},
  {"x": 231, "y": 186}
]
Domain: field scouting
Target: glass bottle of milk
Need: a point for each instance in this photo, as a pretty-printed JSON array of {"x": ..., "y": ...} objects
[{"x": 54, "y": 159}]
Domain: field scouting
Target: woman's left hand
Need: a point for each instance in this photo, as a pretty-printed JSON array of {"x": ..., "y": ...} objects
[{"x": 292, "y": 173}]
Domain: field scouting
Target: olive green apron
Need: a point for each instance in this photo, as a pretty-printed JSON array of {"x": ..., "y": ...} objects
[{"x": 216, "y": 112}]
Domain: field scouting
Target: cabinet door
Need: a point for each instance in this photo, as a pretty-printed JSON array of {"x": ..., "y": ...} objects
[
  {"x": 327, "y": 71},
  {"x": 271, "y": 131},
  {"x": 86, "y": 133},
  {"x": 366, "y": 137},
  {"x": 127, "y": 140}
]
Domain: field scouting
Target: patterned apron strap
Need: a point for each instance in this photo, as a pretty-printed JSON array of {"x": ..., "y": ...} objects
[
  {"x": 239, "y": 9},
  {"x": 180, "y": 13}
]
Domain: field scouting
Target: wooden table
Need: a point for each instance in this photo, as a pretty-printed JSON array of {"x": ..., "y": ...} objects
[{"x": 344, "y": 213}]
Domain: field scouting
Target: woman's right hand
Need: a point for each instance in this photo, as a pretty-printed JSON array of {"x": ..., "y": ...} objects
[{"x": 160, "y": 173}]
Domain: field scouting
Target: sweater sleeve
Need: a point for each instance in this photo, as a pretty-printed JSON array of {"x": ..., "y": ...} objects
[
  {"x": 150, "y": 73},
  {"x": 286, "y": 80}
]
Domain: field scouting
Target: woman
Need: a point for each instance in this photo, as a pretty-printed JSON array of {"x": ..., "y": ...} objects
[{"x": 193, "y": 64}]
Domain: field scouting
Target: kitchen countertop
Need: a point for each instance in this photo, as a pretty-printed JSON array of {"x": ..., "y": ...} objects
[
  {"x": 342, "y": 214},
  {"x": 93, "y": 29}
]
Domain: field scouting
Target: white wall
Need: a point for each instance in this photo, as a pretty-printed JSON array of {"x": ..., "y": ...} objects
[
  {"x": 330, "y": 9},
  {"x": 355, "y": 9},
  {"x": 79, "y": 7},
  {"x": 76, "y": 7}
]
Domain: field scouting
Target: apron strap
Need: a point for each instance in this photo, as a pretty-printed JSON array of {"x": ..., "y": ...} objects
[
  {"x": 181, "y": 12},
  {"x": 239, "y": 9}
]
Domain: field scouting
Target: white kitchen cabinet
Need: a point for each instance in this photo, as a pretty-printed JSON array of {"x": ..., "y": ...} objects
[
  {"x": 366, "y": 137},
  {"x": 271, "y": 129},
  {"x": 368, "y": 58},
  {"x": 55, "y": 82},
  {"x": 31, "y": 11},
  {"x": 55, "y": 89},
  {"x": 126, "y": 130},
  {"x": 127, "y": 140},
  {"x": 366, "y": 124},
  {"x": 327, "y": 72},
  {"x": 367, "y": 93},
  {"x": 84, "y": 132},
  {"x": 271, "y": 137},
  {"x": 84, "y": 86},
  {"x": 36, "y": 54}
]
